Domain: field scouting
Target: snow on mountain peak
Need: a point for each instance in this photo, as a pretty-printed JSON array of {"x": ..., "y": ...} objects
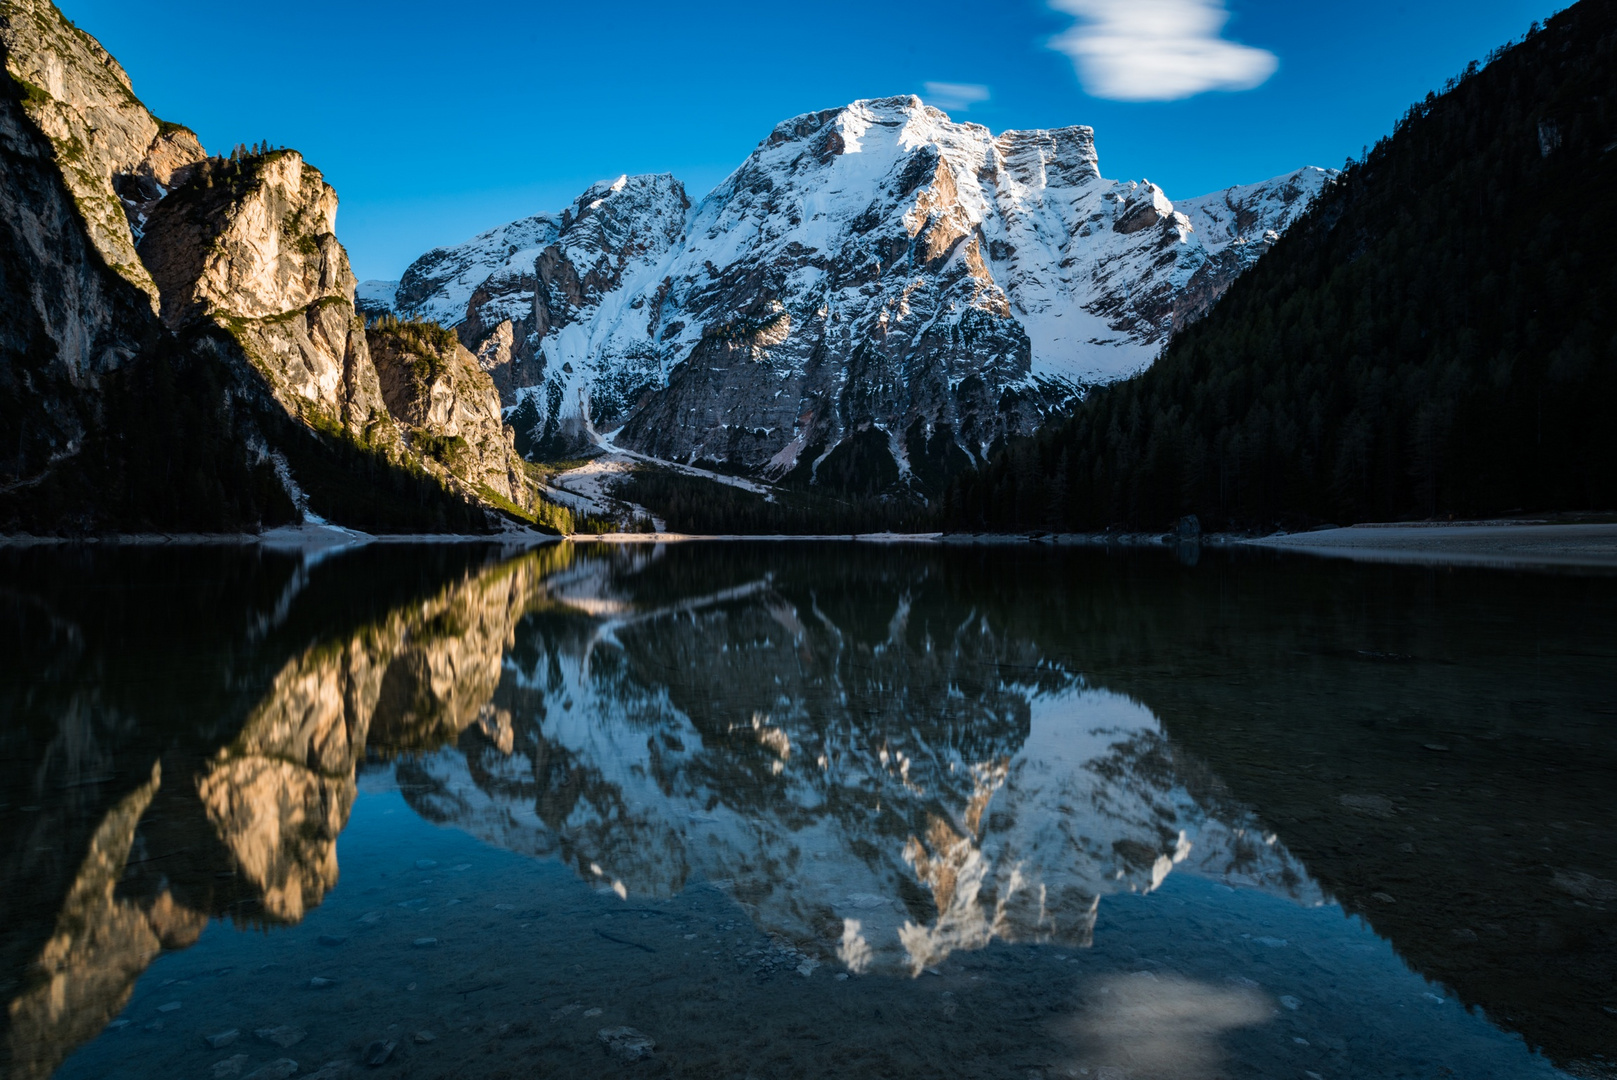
[{"x": 876, "y": 281}]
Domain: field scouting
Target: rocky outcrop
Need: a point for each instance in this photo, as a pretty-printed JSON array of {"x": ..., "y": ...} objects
[
  {"x": 448, "y": 407},
  {"x": 66, "y": 323},
  {"x": 108, "y": 145},
  {"x": 250, "y": 245},
  {"x": 876, "y": 298},
  {"x": 180, "y": 347}
]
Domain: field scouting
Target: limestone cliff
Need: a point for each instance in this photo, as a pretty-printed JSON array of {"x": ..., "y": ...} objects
[
  {"x": 179, "y": 346},
  {"x": 108, "y": 145},
  {"x": 448, "y": 405},
  {"x": 250, "y": 245}
]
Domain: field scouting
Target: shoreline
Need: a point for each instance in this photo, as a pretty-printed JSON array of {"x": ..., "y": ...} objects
[{"x": 1483, "y": 543}]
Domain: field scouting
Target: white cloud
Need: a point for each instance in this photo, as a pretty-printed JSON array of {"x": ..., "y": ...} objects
[
  {"x": 1157, "y": 50},
  {"x": 955, "y": 97}
]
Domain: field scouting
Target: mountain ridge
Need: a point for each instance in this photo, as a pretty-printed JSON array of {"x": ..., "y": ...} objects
[{"x": 875, "y": 274}]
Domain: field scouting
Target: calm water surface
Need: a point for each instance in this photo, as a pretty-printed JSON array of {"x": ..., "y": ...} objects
[{"x": 794, "y": 810}]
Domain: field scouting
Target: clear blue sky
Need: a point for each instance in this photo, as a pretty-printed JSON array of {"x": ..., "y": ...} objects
[{"x": 435, "y": 121}]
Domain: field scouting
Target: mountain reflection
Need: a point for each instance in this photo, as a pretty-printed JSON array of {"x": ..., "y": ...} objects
[
  {"x": 883, "y": 755},
  {"x": 881, "y": 776},
  {"x": 234, "y": 818}
]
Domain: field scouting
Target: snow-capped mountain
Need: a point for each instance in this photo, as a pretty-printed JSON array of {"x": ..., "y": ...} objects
[{"x": 875, "y": 283}]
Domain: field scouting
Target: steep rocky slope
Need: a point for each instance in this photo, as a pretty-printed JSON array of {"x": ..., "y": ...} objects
[
  {"x": 876, "y": 292},
  {"x": 179, "y": 346},
  {"x": 449, "y": 407},
  {"x": 115, "y": 157}
]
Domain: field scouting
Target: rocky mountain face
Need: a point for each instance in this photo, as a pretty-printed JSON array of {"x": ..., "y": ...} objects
[
  {"x": 878, "y": 295},
  {"x": 180, "y": 331},
  {"x": 114, "y": 156},
  {"x": 448, "y": 407}
]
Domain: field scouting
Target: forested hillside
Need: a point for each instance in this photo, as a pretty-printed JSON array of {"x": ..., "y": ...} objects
[{"x": 1434, "y": 338}]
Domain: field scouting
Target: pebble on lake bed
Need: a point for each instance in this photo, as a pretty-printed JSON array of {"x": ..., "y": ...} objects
[
  {"x": 170, "y": 1007},
  {"x": 284, "y": 1036},
  {"x": 378, "y": 1052},
  {"x": 331, "y": 1070},
  {"x": 320, "y": 982},
  {"x": 279, "y": 1069},
  {"x": 425, "y": 942},
  {"x": 425, "y": 864},
  {"x": 230, "y": 1066},
  {"x": 425, "y": 1037},
  {"x": 221, "y": 1040},
  {"x": 626, "y": 1043}
]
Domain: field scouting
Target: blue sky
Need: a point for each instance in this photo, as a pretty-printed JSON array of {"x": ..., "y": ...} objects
[{"x": 436, "y": 121}]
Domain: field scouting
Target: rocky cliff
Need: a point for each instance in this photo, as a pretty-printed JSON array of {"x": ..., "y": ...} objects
[
  {"x": 115, "y": 157},
  {"x": 180, "y": 345},
  {"x": 449, "y": 407},
  {"x": 878, "y": 294}
]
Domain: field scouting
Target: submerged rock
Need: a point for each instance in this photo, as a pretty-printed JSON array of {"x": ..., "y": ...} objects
[
  {"x": 283, "y": 1036},
  {"x": 279, "y": 1069},
  {"x": 230, "y": 1066},
  {"x": 378, "y": 1052},
  {"x": 626, "y": 1043}
]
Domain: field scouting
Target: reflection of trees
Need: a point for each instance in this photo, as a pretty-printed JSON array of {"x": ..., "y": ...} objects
[
  {"x": 243, "y": 826},
  {"x": 842, "y": 751}
]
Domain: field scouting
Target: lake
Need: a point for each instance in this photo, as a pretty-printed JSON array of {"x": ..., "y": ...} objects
[{"x": 762, "y": 810}]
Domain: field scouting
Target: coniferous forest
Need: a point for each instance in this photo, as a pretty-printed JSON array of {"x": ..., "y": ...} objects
[{"x": 1435, "y": 338}]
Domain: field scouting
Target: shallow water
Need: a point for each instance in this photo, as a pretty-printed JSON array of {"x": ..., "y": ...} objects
[{"x": 774, "y": 810}]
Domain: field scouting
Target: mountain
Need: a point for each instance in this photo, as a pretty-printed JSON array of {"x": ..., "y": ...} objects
[
  {"x": 179, "y": 346},
  {"x": 878, "y": 294},
  {"x": 1432, "y": 338}
]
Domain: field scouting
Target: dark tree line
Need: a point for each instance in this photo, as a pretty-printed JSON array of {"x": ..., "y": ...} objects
[
  {"x": 691, "y": 504},
  {"x": 1435, "y": 337}
]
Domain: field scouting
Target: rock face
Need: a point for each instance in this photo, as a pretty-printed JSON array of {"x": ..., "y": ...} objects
[
  {"x": 877, "y": 296},
  {"x": 114, "y": 155},
  {"x": 250, "y": 246},
  {"x": 448, "y": 406},
  {"x": 179, "y": 342}
]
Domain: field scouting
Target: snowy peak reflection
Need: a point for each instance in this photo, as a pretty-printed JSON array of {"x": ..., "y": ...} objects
[{"x": 878, "y": 770}]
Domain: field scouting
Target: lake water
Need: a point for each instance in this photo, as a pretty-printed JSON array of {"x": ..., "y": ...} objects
[{"x": 803, "y": 810}]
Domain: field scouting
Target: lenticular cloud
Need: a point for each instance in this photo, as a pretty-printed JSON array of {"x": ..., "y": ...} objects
[{"x": 1157, "y": 50}]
